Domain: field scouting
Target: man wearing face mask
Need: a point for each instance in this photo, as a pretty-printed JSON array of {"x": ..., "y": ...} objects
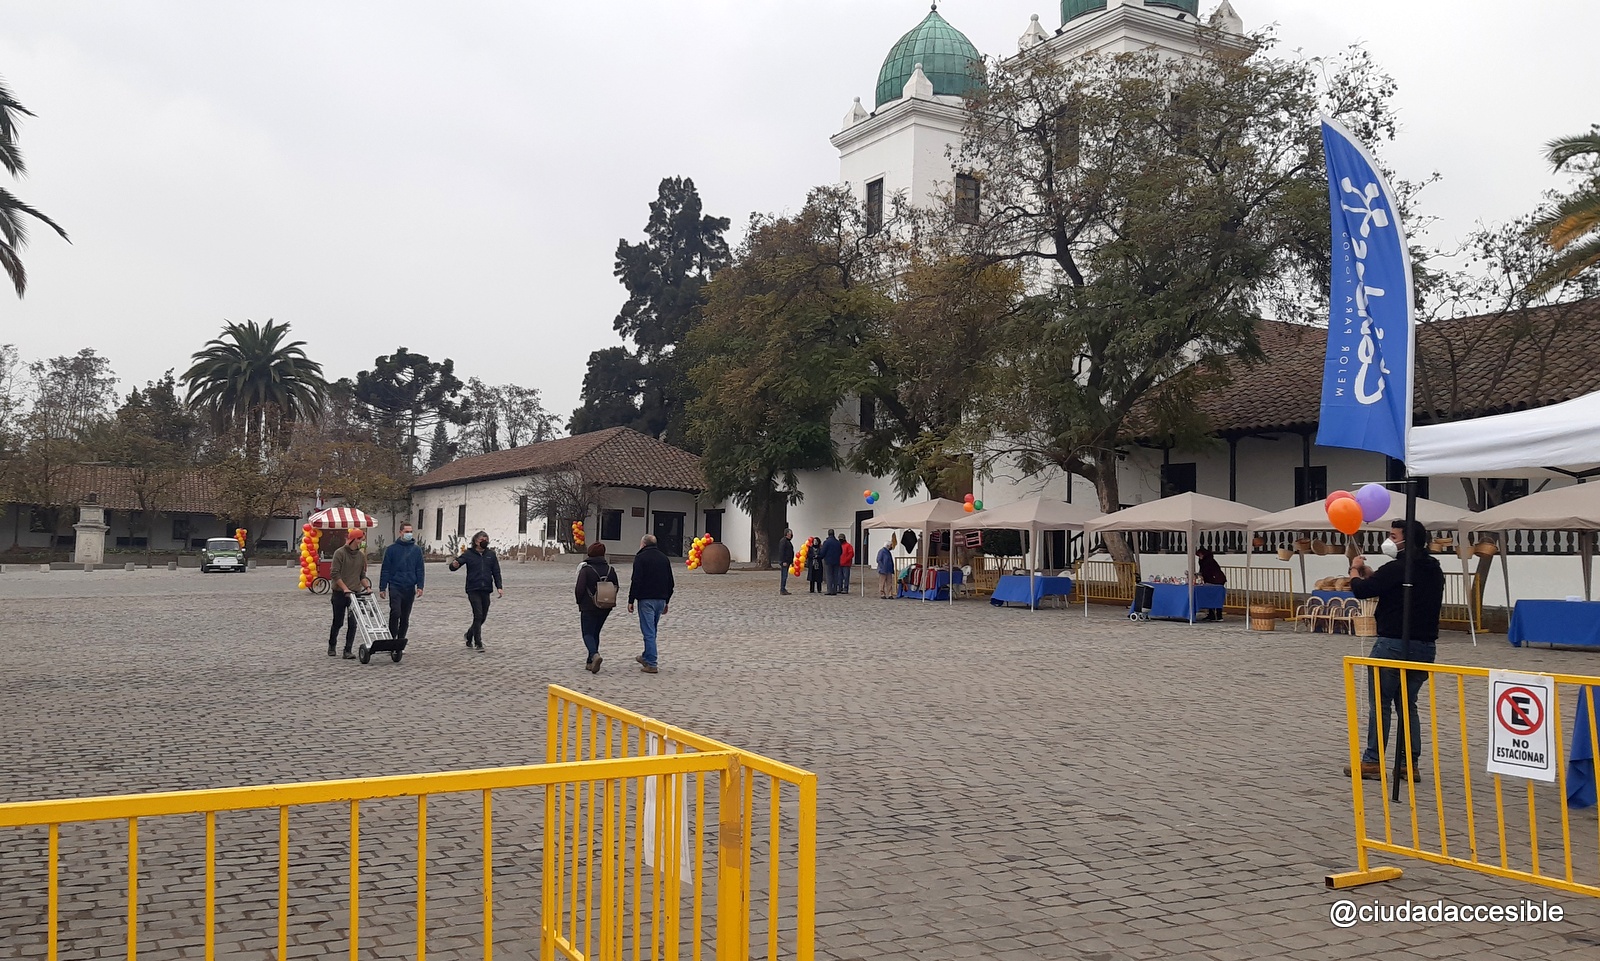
[
  {"x": 483, "y": 577},
  {"x": 1387, "y": 584},
  {"x": 402, "y": 572}
]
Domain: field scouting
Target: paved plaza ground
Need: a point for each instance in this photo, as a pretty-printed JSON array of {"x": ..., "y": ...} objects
[{"x": 993, "y": 783}]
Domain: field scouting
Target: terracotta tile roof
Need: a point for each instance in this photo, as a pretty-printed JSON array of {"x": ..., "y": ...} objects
[
  {"x": 1471, "y": 362},
  {"x": 615, "y": 457},
  {"x": 187, "y": 492}
]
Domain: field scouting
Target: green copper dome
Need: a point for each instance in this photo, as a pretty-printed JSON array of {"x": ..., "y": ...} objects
[
  {"x": 1073, "y": 9},
  {"x": 946, "y": 55}
]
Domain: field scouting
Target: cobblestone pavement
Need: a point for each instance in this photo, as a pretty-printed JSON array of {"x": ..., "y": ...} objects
[{"x": 993, "y": 783}]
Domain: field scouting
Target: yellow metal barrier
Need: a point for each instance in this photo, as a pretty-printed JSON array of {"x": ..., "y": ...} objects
[
  {"x": 1461, "y": 600},
  {"x": 1267, "y": 586},
  {"x": 617, "y": 810},
  {"x": 749, "y": 813},
  {"x": 1105, "y": 582},
  {"x": 1453, "y": 828}
]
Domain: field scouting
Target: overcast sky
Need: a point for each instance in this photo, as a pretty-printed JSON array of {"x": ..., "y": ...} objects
[{"x": 454, "y": 177}]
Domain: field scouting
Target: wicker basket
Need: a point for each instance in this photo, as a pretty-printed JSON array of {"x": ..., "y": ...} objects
[
  {"x": 1364, "y": 623},
  {"x": 1263, "y": 618}
]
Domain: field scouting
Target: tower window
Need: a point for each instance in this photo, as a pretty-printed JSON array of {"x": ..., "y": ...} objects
[
  {"x": 875, "y": 206},
  {"x": 968, "y": 197}
]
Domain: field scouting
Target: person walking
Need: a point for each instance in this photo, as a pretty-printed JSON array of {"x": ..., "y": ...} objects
[
  {"x": 483, "y": 578},
  {"x": 847, "y": 557},
  {"x": 830, "y": 562},
  {"x": 596, "y": 593},
  {"x": 814, "y": 569},
  {"x": 402, "y": 572},
  {"x": 1387, "y": 584},
  {"x": 650, "y": 588},
  {"x": 785, "y": 560},
  {"x": 349, "y": 575},
  {"x": 885, "y": 569}
]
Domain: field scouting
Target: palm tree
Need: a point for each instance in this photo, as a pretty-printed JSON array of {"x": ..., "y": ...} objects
[
  {"x": 251, "y": 381},
  {"x": 1572, "y": 226},
  {"x": 13, "y": 229}
]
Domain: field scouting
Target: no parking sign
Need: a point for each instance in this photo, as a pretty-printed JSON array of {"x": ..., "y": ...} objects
[{"x": 1521, "y": 731}]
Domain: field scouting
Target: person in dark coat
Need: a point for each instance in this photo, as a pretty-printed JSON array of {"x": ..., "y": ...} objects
[
  {"x": 592, "y": 618},
  {"x": 1387, "y": 584},
  {"x": 814, "y": 567},
  {"x": 402, "y": 572},
  {"x": 831, "y": 552},
  {"x": 1210, "y": 573},
  {"x": 483, "y": 578},
  {"x": 785, "y": 560},
  {"x": 651, "y": 588}
]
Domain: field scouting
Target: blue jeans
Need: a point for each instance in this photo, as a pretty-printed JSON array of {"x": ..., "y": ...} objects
[
  {"x": 783, "y": 578},
  {"x": 844, "y": 578},
  {"x": 1389, "y": 688},
  {"x": 649, "y": 614},
  {"x": 830, "y": 576}
]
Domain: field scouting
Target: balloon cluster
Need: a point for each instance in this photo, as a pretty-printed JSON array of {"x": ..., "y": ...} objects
[
  {"x": 871, "y": 496},
  {"x": 1347, "y": 511},
  {"x": 577, "y": 533},
  {"x": 972, "y": 504},
  {"x": 799, "y": 564},
  {"x": 308, "y": 555},
  {"x": 239, "y": 535},
  {"x": 695, "y": 547}
]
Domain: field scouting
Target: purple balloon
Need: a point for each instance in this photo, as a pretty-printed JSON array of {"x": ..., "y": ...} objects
[{"x": 1374, "y": 501}]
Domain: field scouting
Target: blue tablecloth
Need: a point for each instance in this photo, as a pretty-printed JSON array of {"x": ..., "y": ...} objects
[
  {"x": 1327, "y": 596},
  {"x": 1555, "y": 622},
  {"x": 1172, "y": 600},
  {"x": 939, "y": 593},
  {"x": 1014, "y": 587},
  {"x": 1581, "y": 787}
]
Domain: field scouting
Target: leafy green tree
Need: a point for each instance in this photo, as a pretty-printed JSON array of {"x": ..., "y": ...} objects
[
  {"x": 405, "y": 396},
  {"x": 440, "y": 450},
  {"x": 665, "y": 276},
  {"x": 503, "y": 417},
  {"x": 1572, "y": 223},
  {"x": 13, "y": 228},
  {"x": 155, "y": 437},
  {"x": 70, "y": 400},
  {"x": 254, "y": 385},
  {"x": 1156, "y": 207},
  {"x": 777, "y": 349}
]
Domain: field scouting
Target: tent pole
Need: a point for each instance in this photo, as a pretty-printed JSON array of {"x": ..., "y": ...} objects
[
  {"x": 1249, "y": 562},
  {"x": 1188, "y": 542},
  {"x": 1505, "y": 573},
  {"x": 1588, "y": 563}
]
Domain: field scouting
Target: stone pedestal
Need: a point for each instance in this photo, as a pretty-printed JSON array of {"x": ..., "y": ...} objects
[{"x": 91, "y": 528}]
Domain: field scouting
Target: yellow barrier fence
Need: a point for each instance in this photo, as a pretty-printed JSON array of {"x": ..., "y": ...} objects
[
  {"x": 623, "y": 838},
  {"x": 1451, "y": 810},
  {"x": 761, "y": 867},
  {"x": 1105, "y": 582},
  {"x": 1267, "y": 587},
  {"x": 1461, "y": 601}
]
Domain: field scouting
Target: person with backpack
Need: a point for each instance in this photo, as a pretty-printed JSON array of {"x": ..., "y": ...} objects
[
  {"x": 483, "y": 577},
  {"x": 651, "y": 588},
  {"x": 596, "y": 593}
]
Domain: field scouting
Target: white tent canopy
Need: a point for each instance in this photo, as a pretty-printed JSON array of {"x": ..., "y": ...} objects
[
  {"x": 1035, "y": 515},
  {"x": 939, "y": 514},
  {"x": 1565, "y": 435},
  {"x": 1190, "y": 513},
  {"x": 1575, "y": 508},
  {"x": 1314, "y": 517}
]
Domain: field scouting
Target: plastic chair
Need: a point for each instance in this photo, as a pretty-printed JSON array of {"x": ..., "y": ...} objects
[{"x": 1308, "y": 613}]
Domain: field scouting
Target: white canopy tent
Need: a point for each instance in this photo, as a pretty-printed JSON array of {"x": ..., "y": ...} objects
[
  {"x": 1190, "y": 513},
  {"x": 1314, "y": 517},
  {"x": 1575, "y": 508},
  {"x": 1035, "y": 516},
  {"x": 1564, "y": 436},
  {"x": 939, "y": 514}
]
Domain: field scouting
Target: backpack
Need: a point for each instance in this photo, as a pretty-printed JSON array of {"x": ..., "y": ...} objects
[{"x": 604, "y": 595}]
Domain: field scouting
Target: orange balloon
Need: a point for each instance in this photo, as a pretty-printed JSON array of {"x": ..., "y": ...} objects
[{"x": 1345, "y": 515}]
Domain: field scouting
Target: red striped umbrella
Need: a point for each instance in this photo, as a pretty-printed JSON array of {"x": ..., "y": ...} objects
[{"x": 341, "y": 519}]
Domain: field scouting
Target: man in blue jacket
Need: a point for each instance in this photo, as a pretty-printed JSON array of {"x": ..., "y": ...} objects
[
  {"x": 831, "y": 552},
  {"x": 401, "y": 572}
]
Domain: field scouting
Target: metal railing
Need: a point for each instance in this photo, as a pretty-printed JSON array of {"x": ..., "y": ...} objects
[
  {"x": 1264, "y": 586},
  {"x": 608, "y": 811},
  {"x": 758, "y": 862},
  {"x": 1452, "y": 755},
  {"x": 1104, "y": 582}
]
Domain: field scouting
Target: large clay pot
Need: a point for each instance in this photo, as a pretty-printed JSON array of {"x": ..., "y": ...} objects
[{"x": 714, "y": 558}]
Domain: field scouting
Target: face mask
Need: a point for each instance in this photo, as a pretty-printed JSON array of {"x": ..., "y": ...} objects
[
  {"x": 1391, "y": 549},
  {"x": 482, "y": 544},
  {"x": 407, "y": 537}
]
